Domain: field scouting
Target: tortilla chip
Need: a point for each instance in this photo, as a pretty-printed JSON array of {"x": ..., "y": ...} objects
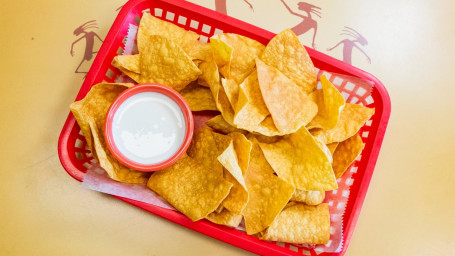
[
  {"x": 330, "y": 103},
  {"x": 289, "y": 107},
  {"x": 268, "y": 193},
  {"x": 222, "y": 52},
  {"x": 199, "y": 51},
  {"x": 198, "y": 98},
  {"x": 212, "y": 77},
  {"x": 238, "y": 197},
  {"x": 287, "y": 54},
  {"x": 204, "y": 149},
  {"x": 251, "y": 109},
  {"x": 301, "y": 224},
  {"x": 128, "y": 62},
  {"x": 164, "y": 62},
  {"x": 192, "y": 188},
  {"x": 90, "y": 114},
  {"x": 243, "y": 52},
  {"x": 129, "y": 65},
  {"x": 267, "y": 127},
  {"x": 308, "y": 197},
  {"x": 231, "y": 88},
  {"x": 299, "y": 160},
  {"x": 352, "y": 118},
  {"x": 242, "y": 147},
  {"x": 345, "y": 154},
  {"x": 151, "y": 25},
  {"x": 225, "y": 217},
  {"x": 332, "y": 147},
  {"x": 218, "y": 123}
]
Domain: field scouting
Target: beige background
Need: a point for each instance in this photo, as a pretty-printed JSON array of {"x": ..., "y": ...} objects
[{"x": 409, "y": 209}]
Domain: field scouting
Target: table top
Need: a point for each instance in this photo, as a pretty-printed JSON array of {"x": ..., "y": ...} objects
[{"x": 409, "y": 206}]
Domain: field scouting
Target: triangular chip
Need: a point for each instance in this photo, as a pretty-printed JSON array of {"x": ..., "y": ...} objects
[
  {"x": 332, "y": 147},
  {"x": 128, "y": 62},
  {"x": 129, "y": 65},
  {"x": 345, "y": 154},
  {"x": 251, "y": 109},
  {"x": 199, "y": 51},
  {"x": 90, "y": 114},
  {"x": 204, "y": 149},
  {"x": 192, "y": 188},
  {"x": 300, "y": 224},
  {"x": 352, "y": 118},
  {"x": 164, "y": 62},
  {"x": 222, "y": 53},
  {"x": 238, "y": 197},
  {"x": 243, "y": 51},
  {"x": 287, "y": 54},
  {"x": 212, "y": 77},
  {"x": 298, "y": 159},
  {"x": 232, "y": 90},
  {"x": 218, "y": 123},
  {"x": 330, "y": 103},
  {"x": 268, "y": 193},
  {"x": 225, "y": 217},
  {"x": 199, "y": 98},
  {"x": 242, "y": 147},
  {"x": 288, "y": 104},
  {"x": 308, "y": 197},
  {"x": 151, "y": 25}
]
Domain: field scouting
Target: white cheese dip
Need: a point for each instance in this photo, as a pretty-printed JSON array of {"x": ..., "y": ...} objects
[{"x": 148, "y": 128}]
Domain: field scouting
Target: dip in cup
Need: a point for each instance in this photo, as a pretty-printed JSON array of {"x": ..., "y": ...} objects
[{"x": 148, "y": 127}]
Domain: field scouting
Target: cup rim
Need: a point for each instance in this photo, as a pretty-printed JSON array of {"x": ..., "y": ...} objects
[{"x": 140, "y": 88}]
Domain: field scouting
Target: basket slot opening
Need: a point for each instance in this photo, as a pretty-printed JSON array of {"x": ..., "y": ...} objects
[
  {"x": 158, "y": 12},
  {"x": 170, "y": 16}
]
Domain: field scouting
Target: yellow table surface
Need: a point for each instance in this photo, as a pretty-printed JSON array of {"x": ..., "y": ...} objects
[{"x": 410, "y": 205}]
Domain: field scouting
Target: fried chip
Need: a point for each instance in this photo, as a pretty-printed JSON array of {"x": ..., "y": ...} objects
[
  {"x": 243, "y": 52},
  {"x": 299, "y": 160},
  {"x": 129, "y": 65},
  {"x": 330, "y": 103},
  {"x": 212, "y": 77},
  {"x": 345, "y": 154},
  {"x": 204, "y": 149},
  {"x": 268, "y": 193},
  {"x": 289, "y": 107},
  {"x": 231, "y": 88},
  {"x": 352, "y": 118},
  {"x": 218, "y": 123},
  {"x": 238, "y": 196},
  {"x": 251, "y": 109},
  {"x": 299, "y": 224},
  {"x": 151, "y": 25},
  {"x": 242, "y": 147},
  {"x": 234, "y": 154},
  {"x": 225, "y": 217},
  {"x": 198, "y": 98},
  {"x": 192, "y": 188},
  {"x": 90, "y": 113},
  {"x": 199, "y": 51},
  {"x": 308, "y": 197},
  {"x": 332, "y": 147},
  {"x": 164, "y": 62},
  {"x": 222, "y": 52},
  {"x": 267, "y": 127},
  {"x": 287, "y": 54}
]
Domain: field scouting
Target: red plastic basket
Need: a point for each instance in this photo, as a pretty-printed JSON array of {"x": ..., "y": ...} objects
[{"x": 75, "y": 157}]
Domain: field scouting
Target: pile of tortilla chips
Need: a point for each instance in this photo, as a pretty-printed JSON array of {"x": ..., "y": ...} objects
[{"x": 277, "y": 144}]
